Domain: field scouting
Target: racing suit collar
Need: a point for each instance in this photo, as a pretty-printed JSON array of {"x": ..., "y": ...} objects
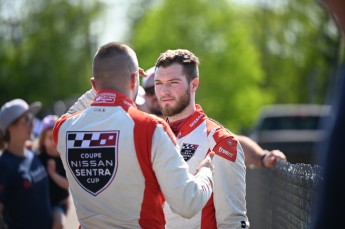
[
  {"x": 190, "y": 123},
  {"x": 112, "y": 98}
]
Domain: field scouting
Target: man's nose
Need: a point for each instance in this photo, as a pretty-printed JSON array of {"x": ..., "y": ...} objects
[{"x": 165, "y": 89}]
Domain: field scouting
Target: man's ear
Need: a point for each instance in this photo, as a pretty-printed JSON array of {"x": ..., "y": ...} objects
[
  {"x": 195, "y": 84},
  {"x": 93, "y": 83},
  {"x": 134, "y": 80}
]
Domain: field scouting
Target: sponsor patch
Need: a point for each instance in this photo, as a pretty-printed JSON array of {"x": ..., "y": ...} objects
[
  {"x": 105, "y": 98},
  {"x": 92, "y": 158},
  {"x": 226, "y": 149},
  {"x": 188, "y": 150}
]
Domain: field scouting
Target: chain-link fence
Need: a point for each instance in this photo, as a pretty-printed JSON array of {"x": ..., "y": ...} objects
[{"x": 282, "y": 197}]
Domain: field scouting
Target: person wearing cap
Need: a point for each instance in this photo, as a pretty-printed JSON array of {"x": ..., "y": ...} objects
[
  {"x": 140, "y": 101},
  {"x": 150, "y": 96},
  {"x": 122, "y": 163},
  {"x": 58, "y": 183},
  {"x": 24, "y": 188}
]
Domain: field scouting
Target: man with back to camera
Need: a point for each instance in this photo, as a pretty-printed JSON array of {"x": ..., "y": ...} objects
[
  {"x": 122, "y": 163},
  {"x": 176, "y": 82},
  {"x": 255, "y": 156}
]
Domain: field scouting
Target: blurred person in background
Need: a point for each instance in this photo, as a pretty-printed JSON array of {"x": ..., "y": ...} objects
[
  {"x": 255, "y": 156},
  {"x": 150, "y": 95},
  {"x": 140, "y": 101},
  {"x": 58, "y": 183},
  {"x": 24, "y": 187}
]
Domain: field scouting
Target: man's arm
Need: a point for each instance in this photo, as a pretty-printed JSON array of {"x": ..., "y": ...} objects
[
  {"x": 83, "y": 101},
  {"x": 229, "y": 192},
  {"x": 255, "y": 156},
  {"x": 186, "y": 194}
]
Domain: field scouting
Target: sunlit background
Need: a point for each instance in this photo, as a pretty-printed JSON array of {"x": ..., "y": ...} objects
[{"x": 252, "y": 53}]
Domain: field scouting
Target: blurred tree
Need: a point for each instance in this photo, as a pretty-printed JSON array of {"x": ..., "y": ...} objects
[
  {"x": 230, "y": 72},
  {"x": 46, "y": 49},
  {"x": 269, "y": 52},
  {"x": 299, "y": 46}
]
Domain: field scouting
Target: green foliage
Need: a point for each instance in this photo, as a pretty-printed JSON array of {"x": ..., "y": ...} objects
[
  {"x": 250, "y": 55},
  {"x": 48, "y": 55},
  {"x": 298, "y": 46},
  {"x": 230, "y": 73}
]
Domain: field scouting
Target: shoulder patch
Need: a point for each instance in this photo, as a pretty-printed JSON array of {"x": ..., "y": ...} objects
[{"x": 227, "y": 148}]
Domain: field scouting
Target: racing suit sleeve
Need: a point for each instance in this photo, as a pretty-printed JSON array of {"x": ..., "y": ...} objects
[
  {"x": 83, "y": 101},
  {"x": 229, "y": 181},
  {"x": 186, "y": 194}
]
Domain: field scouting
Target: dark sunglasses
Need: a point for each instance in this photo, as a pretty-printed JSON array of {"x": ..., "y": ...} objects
[{"x": 150, "y": 91}]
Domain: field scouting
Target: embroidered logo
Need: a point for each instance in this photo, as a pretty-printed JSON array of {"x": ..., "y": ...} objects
[
  {"x": 92, "y": 158},
  {"x": 226, "y": 149},
  {"x": 188, "y": 150},
  {"x": 196, "y": 120},
  {"x": 105, "y": 98}
]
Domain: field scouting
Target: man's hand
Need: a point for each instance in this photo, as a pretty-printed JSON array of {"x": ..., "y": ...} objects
[
  {"x": 207, "y": 162},
  {"x": 272, "y": 156},
  {"x": 142, "y": 72}
]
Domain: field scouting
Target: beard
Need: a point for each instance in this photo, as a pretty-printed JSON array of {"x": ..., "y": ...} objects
[
  {"x": 156, "y": 111},
  {"x": 182, "y": 103}
]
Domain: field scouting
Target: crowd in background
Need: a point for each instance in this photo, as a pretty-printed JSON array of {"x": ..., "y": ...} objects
[{"x": 33, "y": 185}]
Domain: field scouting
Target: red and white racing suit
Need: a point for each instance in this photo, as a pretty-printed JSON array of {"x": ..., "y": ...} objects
[
  {"x": 122, "y": 163},
  {"x": 227, "y": 208}
]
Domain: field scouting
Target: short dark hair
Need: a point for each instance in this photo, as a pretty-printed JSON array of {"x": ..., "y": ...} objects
[
  {"x": 113, "y": 64},
  {"x": 110, "y": 51},
  {"x": 186, "y": 58}
]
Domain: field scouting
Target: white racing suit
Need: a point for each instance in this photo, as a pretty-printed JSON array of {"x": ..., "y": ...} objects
[
  {"x": 227, "y": 208},
  {"x": 122, "y": 164}
]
